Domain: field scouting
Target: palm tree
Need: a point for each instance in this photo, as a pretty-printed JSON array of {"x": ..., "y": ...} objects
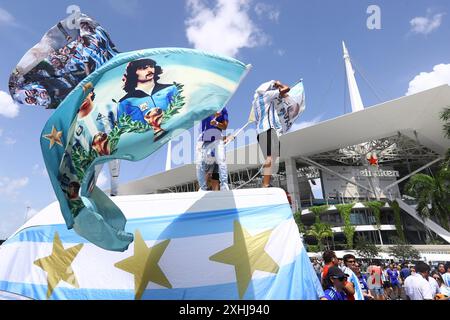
[
  {"x": 445, "y": 116},
  {"x": 432, "y": 194},
  {"x": 320, "y": 231}
]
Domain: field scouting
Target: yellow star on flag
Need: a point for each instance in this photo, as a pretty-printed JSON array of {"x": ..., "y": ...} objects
[
  {"x": 58, "y": 265},
  {"x": 247, "y": 254},
  {"x": 54, "y": 137},
  {"x": 144, "y": 265}
]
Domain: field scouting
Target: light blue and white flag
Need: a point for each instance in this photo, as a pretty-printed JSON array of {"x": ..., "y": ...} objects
[
  {"x": 127, "y": 109},
  {"x": 228, "y": 245}
]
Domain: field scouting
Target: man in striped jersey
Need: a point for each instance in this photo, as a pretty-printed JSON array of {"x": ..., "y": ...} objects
[{"x": 268, "y": 125}]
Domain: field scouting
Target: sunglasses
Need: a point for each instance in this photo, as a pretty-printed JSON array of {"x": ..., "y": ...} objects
[{"x": 340, "y": 278}]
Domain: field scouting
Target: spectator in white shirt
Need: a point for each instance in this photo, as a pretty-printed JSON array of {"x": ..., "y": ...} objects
[
  {"x": 417, "y": 286},
  {"x": 444, "y": 291},
  {"x": 434, "y": 286}
]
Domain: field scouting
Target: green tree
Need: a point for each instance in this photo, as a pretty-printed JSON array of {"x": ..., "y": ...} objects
[
  {"x": 318, "y": 210},
  {"x": 348, "y": 229},
  {"x": 298, "y": 221},
  {"x": 403, "y": 251},
  {"x": 432, "y": 194},
  {"x": 366, "y": 249},
  {"x": 445, "y": 116},
  {"x": 320, "y": 231},
  {"x": 376, "y": 209},
  {"x": 398, "y": 220}
]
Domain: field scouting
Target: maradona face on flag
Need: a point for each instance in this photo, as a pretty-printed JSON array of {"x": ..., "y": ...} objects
[
  {"x": 66, "y": 54},
  {"x": 127, "y": 110}
]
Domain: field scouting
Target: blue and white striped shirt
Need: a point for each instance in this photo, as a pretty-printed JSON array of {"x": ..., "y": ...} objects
[{"x": 263, "y": 105}]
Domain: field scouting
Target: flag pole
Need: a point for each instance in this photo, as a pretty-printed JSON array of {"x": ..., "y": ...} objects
[{"x": 237, "y": 133}]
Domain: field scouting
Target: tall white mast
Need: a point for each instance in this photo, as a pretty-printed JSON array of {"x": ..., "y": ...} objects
[
  {"x": 169, "y": 156},
  {"x": 355, "y": 97}
]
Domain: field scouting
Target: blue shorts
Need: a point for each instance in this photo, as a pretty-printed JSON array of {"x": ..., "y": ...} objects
[{"x": 378, "y": 291}]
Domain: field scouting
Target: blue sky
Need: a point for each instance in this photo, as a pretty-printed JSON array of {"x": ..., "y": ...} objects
[{"x": 285, "y": 40}]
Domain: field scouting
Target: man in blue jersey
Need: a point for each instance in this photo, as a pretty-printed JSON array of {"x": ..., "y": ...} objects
[
  {"x": 334, "y": 284},
  {"x": 393, "y": 275},
  {"x": 146, "y": 99},
  {"x": 211, "y": 147},
  {"x": 405, "y": 272},
  {"x": 268, "y": 125}
]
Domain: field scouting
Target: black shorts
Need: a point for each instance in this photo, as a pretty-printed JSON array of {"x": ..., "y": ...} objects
[
  {"x": 213, "y": 170},
  {"x": 269, "y": 143},
  {"x": 215, "y": 173}
]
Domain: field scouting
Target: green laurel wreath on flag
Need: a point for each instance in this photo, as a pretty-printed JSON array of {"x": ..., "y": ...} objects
[
  {"x": 75, "y": 206},
  {"x": 82, "y": 158},
  {"x": 126, "y": 125},
  {"x": 176, "y": 103}
]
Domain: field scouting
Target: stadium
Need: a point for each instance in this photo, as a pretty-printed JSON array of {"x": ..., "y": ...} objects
[{"x": 364, "y": 156}]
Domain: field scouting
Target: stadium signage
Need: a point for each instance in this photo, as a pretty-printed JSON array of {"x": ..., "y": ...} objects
[{"x": 378, "y": 173}]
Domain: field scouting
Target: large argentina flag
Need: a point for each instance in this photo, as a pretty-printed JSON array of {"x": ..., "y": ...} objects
[
  {"x": 127, "y": 109},
  {"x": 241, "y": 244}
]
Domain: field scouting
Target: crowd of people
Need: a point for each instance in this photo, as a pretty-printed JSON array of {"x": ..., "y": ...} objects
[
  {"x": 350, "y": 279},
  {"x": 49, "y": 82}
]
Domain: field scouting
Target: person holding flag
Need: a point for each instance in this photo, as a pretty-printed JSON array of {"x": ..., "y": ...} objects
[
  {"x": 268, "y": 124},
  {"x": 211, "y": 145}
]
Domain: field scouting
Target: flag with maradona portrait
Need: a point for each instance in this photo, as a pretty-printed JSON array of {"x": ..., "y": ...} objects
[
  {"x": 127, "y": 109},
  {"x": 112, "y": 105}
]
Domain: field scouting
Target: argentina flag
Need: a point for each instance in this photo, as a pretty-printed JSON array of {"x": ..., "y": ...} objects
[
  {"x": 127, "y": 109},
  {"x": 245, "y": 246}
]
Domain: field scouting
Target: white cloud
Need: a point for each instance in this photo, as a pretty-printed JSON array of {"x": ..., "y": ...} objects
[
  {"x": 305, "y": 124},
  {"x": 6, "y": 18},
  {"x": 10, "y": 141},
  {"x": 102, "y": 180},
  {"x": 427, "y": 80},
  {"x": 224, "y": 29},
  {"x": 426, "y": 25},
  {"x": 268, "y": 11},
  {"x": 1, "y": 132},
  {"x": 8, "y": 107},
  {"x": 11, "y": 187}
]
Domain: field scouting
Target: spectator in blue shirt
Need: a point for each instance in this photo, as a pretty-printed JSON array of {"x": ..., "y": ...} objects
[
  {"x": 394, "y": 280},
  {"x": 334, "y": 283},
  {"x": 405, "y": 272},
  {"x": 211, "y": 148}
]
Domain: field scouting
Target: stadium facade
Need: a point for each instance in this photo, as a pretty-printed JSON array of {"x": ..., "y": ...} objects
[{"x": 366, "y": 155}]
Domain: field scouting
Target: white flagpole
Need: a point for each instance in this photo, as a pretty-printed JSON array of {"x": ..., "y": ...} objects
[
  {"x": 237, "y": 133},
  {"x": 169, "y": 156}
]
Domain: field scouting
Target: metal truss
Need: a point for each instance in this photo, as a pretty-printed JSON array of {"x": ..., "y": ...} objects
[{"x": 393, "y": 149}]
